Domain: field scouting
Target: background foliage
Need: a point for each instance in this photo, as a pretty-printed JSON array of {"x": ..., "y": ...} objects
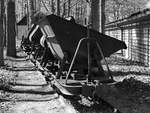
[{"x": 117, "y": 9}]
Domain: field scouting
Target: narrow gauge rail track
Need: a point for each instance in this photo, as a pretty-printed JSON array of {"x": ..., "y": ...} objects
[
  {"x": 28, "y": 91},
  {"x": 76, "y": 65},
  {"x": 80, "y": 102}
]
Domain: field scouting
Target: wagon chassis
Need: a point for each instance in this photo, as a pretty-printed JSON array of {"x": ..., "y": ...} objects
[{"x": 86, "y": 88}]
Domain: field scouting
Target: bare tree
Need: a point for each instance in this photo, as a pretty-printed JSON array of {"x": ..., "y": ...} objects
[
  {"x": 38, "y": 5},
  {"x": 98, "y": 15},
  {"x": 1, "y": 32},
  {"x": 58, "y": 7},
  {"x": 30, "y": 13},
  {"x": 69, "y": 1},
  {"x": 118, "y": 9},
  {"x": 11, "y": 29},
  {"x": 52, "y": 6},
  {"x": 63, "y": 9}
]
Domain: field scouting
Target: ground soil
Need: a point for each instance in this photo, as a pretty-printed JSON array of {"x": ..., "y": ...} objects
[
  {"x": 20, "y": 73},
  {"x": 31, "y": 93}
]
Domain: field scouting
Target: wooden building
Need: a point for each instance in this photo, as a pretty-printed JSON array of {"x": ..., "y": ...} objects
[{"x": 135, "y": 31}]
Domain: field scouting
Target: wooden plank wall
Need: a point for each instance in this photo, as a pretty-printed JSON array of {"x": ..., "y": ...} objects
[{"x": 137, "y": 38}]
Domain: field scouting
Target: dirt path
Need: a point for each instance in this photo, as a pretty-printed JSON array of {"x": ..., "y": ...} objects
[
  {"x": 29, "y": 81},
  {"x": 33, "y": 95}
]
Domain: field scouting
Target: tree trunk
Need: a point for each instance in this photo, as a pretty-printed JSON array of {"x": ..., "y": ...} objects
[
  {"x": 31, "y": 10},
  {"x": 1, "y": 32},
  {"x": 11, "y": 31},
  {"x": 38, "y": 5},
  {"x": 69, "y": 1},
  {"x": 98, "y": 15},
  {"x": 5, "y": 30},
  {"x": 58, "y": 7},
  {"x": 52, "y": 7},
  {"x": 64, "y": 10}
]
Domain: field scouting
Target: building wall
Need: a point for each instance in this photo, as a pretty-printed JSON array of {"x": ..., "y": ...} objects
[{"x": 137, "y": 38}]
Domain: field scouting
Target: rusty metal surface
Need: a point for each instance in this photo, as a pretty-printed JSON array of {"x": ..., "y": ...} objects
[{"x": 68, "y": 35}]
